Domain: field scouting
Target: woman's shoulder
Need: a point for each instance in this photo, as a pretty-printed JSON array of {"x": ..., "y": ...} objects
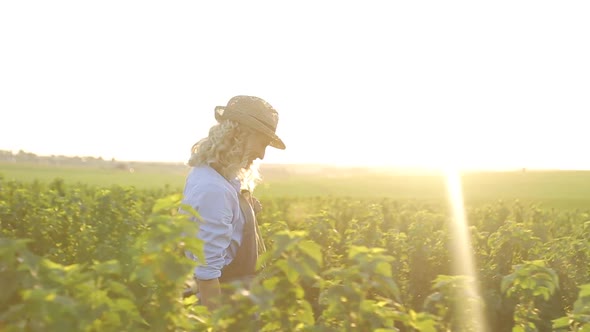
[{"x": 206, "y": 178}]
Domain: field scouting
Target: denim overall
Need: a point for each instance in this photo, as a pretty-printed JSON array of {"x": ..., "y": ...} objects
[{"x": 243, "y": 266}]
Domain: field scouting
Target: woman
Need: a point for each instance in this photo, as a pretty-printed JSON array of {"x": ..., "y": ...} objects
[{"x": 219, "y": 187}]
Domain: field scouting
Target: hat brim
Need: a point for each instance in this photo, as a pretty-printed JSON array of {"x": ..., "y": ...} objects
[{"x": 275, "y": 141}]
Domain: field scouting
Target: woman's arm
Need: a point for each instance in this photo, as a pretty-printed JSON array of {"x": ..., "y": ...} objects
[{"x": 209, "y": 293}]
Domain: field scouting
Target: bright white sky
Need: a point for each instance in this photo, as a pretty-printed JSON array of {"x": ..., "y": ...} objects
[{"x": 400, "y": 83}]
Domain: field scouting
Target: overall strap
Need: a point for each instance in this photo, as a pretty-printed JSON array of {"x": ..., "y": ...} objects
[{"x": 251, "y": 213}]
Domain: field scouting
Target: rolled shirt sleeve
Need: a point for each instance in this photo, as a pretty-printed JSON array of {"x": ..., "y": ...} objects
[{"x": 215, "y": 228}]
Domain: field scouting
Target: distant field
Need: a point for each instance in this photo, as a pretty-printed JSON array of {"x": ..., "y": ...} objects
[
  {"x": 558, "y": 189},
  {"x": 144, "y": 177}
]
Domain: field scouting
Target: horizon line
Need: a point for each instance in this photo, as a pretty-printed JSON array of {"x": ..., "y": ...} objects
[{"x": 315, "y": 164}]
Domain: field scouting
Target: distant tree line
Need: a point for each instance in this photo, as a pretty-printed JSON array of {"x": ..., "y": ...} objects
[
  {"x": 60, "y": 160},
  {"x": 23, "y": 156}
]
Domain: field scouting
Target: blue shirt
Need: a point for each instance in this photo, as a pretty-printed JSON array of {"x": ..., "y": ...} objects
[{"x": 221, "y": 223}]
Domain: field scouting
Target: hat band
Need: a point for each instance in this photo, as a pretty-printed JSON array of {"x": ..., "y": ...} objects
[{"x": 257, "y": 120}]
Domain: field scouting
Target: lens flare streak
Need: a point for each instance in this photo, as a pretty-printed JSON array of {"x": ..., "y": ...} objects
[{"x": 463, "y": 262}]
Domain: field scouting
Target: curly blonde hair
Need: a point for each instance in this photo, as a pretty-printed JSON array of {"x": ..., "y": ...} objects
[{"x": 224, "y": 150}]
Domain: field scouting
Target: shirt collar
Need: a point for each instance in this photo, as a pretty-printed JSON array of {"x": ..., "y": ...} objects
[{"x": 236, "y": 184}]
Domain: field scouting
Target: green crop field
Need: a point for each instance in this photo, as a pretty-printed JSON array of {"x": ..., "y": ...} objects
[
  {"x": 553, "y": 189},
  {"x": 102, "y": 249}
]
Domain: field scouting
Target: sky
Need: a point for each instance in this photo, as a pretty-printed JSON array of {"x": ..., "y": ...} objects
[{"x": 473, "y": 84}]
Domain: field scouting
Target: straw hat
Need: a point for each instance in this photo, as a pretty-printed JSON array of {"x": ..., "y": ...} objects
[{"x": 254, "y": 113}]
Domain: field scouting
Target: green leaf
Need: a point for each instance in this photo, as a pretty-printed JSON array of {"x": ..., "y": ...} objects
[
  {"x": 111, "y": 267},
  {"x": 383, "y": 269},
  {"x": 189, "y": 210},
  {"x": 190, "y": 301},
  {"x": 166, "y": 204},
  {"x": 426, "y": 325},
  {"x": 52, "y": 265},
  {"x": 271, "y": 283},
  {"x": 560, "y": 323},
  {"x": 126, "y": 305},
  {"x": 305, "y": 313},
  {"x": 353, "y": 251},
  {"x": 518, "y": 329},
  {"x": 312, "y": 249},
  {"x": 290, "y": 272},
  {"x": 507, "y": 282}
]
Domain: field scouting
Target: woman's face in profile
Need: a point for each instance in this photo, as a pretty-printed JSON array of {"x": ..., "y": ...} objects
[{"x": 256, "y": 144}]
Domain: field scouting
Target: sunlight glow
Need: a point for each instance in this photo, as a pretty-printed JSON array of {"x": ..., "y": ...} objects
[
  {"x": 396, "y": 88},
  {"x": 463, "y": 263}
]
